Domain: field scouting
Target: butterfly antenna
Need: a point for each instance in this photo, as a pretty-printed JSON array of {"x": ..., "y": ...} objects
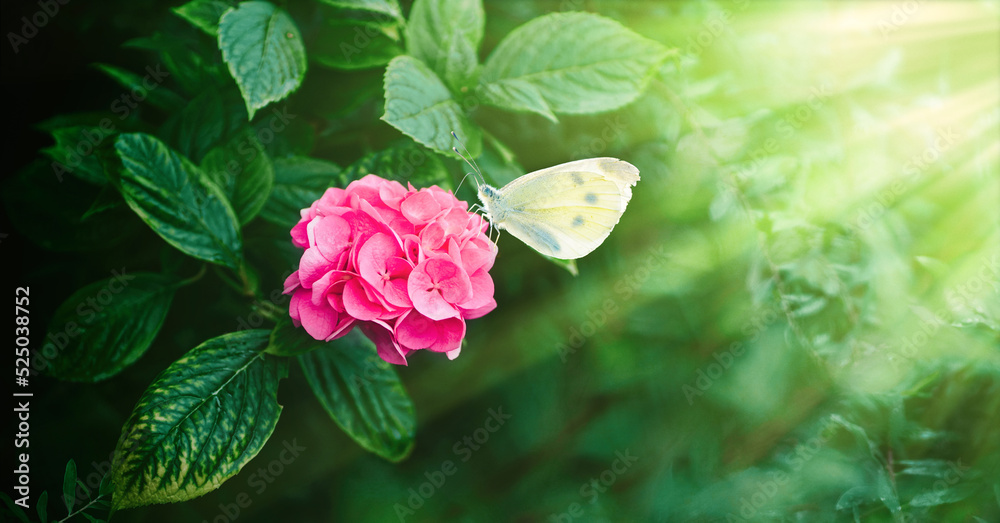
[
  {"x": 461, "y": 182},
  {"x": 468, "y": 158}
]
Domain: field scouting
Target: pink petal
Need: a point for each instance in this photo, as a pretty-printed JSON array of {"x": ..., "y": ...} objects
[
  {"x": 312, "y": 266},
  {"x": 331, "y": 283},
  {"x": 471, "y": 314},
  {"x": 416, "y": 331},
  {"x": 395, "y": 289},
  {"x": 300, "y": 236},
  {"x": 320, "y": 321},
  {"x": 482, "y": 293},
  {"x": 291, "y": 283},
  {"x": 388, "y": 349},
  {"x": 358, "y": 301},
  {"x": 330, "y": 203},
  {"x": 420, "y": 207},
  {"x": 391, "y": 194},
  {"x": 411, "y": 246},
  {"x": 331, "y": 235},
  {"x": 374, "y": 254},
  {"x": 435, "y": 285},
  {"x": 432, "y": 237},
  {"x": 454, "y": 222},
  {"x": 452, "y": 354}
]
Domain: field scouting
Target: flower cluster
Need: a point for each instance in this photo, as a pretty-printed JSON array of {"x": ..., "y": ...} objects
[{"x": 406, "y": 266}]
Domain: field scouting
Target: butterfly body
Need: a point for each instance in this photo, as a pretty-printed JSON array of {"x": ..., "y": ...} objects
[{"x": 565, "y": 211}]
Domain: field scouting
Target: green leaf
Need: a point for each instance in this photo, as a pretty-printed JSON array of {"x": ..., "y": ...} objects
[
  {"x": 74, "y": 152},
  {"x": 421, "y": 107},
  {"x": 107, "y": 325},
  {"x": 14, "y": 508},
  {"x": 498, "y": 164},
  {"x": 363, "y": 395},
  {"x": 356, "y": 44},
  {"x": 147, "y": 87},
  {"x": 384, "y": 7},
  {"x": 572, "y": 63},
  {"x": 211, "y": 119},
  {"x": 516, "y": 95},
  {"x": 941, "y": 496},
  {"x": 43, "y": 506},
  {"x": 855, "y": 497},
  {"x": 189, "y": 61},
  {"x": 446, "y": 34},
  {"x": 243, "y": 171},
  {"x": 69, "y": 486},
  {"x": 298, "y": 181},
  {"x": 263, "y": 49},
  {"x": 109, "y": 199},
  {"x": 568, "y": 265},
  {"x": 289, "y": 340},
  {"x": 177, "y": 201},
  {"x": 203, "y": 14},
  {"x": 82, "y": 485},
  {"x": 199, "y": 422},
  {"x": 404, "y": 162},
  {"x": 106, "y": 488},
  {"x": 50, "y": 213}
]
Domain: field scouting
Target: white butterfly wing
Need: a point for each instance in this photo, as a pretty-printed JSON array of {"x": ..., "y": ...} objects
[{"x": 565, "y": 211}]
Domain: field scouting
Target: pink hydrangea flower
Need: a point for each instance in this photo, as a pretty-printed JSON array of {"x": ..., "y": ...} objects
[{"x": 406, "y": 266}]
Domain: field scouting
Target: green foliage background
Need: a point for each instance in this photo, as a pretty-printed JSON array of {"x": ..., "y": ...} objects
[{"x": 796, "y": 319}]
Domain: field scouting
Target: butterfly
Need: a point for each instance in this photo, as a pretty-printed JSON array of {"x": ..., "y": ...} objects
[{"x": 565, "y": 211}]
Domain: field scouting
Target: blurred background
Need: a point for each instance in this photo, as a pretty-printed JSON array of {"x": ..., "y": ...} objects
[{"x": 797, "y": 318}]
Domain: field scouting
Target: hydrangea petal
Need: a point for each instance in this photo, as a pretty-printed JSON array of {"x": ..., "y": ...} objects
[
  {"x": 416, "y": 331},
  {"x": 436, "y": 285},
  {"x": 385, "y": 342}
]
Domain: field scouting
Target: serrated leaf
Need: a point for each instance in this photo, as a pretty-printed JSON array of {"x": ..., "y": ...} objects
[
  {"x": 355, "y": 44},
  {"x": 203, "y": 14},
  {"x": 69, "y": 486},
  {"x": 498, "y": 164},
  {"x": 572, "y": 63},
  {"x": 174, "y": 198},
  {"x": 403, "y": 162},
  {"x": 211, "y": 119},
  {"x": 74, "y": 149},
  {"x": 386, "y": 7},
  {"x": 517, "y": 95},
  {"x": 145, "y": 88},
  {"x": 363, "y": 395},
  {"x": 445, "y": 35},
  {"x": 199, "y": 422},
  {"x": 298, "y": 181},
  {"x": 107, "y": 325},
  {"x": 189, "y": 61},
  {"x": 263, "y": 48},
  {"x": 288, "y": 340},
  {"x": 421, "y": 107},
  {"x": 243, "y": 171}
]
